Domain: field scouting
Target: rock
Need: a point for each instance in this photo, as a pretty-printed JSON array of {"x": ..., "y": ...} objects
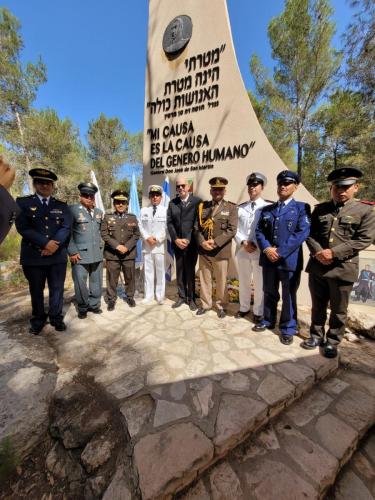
[
  {"x": 197, "y": 492},
  {"x": 328, "y": 428},
  {"x": 70, "y": 394},
  {"x": 275, "y": 390},
  {"x": 127, "y": 386},
  {"x": 361, "y": 322},
  {"x": 350, "y": 487},
  {"x": 363, "y": 466},
  {"x": 177, "y": 390},
  {"x": 357, "y": 409},
  {"x": 236, "y": 417},
  {"x": 203, "y": 398},
  {"x": 263, "y": 488},
  {"x": 236, "y": 382},
  {"x": 299, "y": 375},
  {"x": 268, "y": 439},
  {"x": 224, "y": 483},
  {"x": 334, "y": 386},
  {"x": 62, "y": 465},
  {"x": 118, "y": 488},
  {"x": 96, "y": 453},
  {"x": 167, "y": 411},
  {"x": 351, "y": 337},
  {"x": 94, "y": 487},
  {"x": 304, "y": 411},
  {"x": 168, "y": 460},
  {"x": 137, "y": 413},
  {"x": 321, "y": 365},
  {"x": 369, "y": 447}
]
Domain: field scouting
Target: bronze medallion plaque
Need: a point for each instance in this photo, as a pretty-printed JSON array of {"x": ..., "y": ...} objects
[{"x": 177, "y": 34}]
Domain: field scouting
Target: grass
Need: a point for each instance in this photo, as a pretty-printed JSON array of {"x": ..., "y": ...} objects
[{"x": 10, "y": 247}]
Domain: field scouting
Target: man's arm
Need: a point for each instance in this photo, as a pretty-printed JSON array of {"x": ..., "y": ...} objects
[
  {"x": 262, "y": 241},
  {"x": 23, "y": 225},
  {"x": 300, "y": 234},
  {"x": 63, "y": 233},
  {"x": 363, "y": 237},
  {"x": 170, "y": 224},
  {"x": 131, "y": 243},
  {"x": 104, "y": 231},
  {"x": 313, "y": 239},
  {"x": 231, "y": 229}
]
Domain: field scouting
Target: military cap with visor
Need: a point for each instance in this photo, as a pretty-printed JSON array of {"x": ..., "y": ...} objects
[
  {"x": 42, "y": 174},
  {"x": 288, "y": 176},
  {"x": 87, "y": 188},
  {"x": 119, "y": 195},
  {"x": 154, "y": 188},
  {"x": 256, "y": 178},
  {"x": 218, "y": 182},
  {"x": 344, "y": 176}
]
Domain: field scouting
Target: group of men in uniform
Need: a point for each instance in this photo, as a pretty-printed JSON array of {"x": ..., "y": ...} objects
[{"x": 268, "y": 237}]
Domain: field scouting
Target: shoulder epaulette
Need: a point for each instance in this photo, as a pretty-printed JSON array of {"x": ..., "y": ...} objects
[
  {"x": 366, "y": 202},
  {"x": 243, "y": 203},
  {"x": 24, "y": 197}
]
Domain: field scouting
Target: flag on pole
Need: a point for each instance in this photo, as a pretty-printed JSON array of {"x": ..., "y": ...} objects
[
  {"x": 169, "y": 261},
  {"x": 135, "y": 209},
  {"x": 98, "y": 196}
]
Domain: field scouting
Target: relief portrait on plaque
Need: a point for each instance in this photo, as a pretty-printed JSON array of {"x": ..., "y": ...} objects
[{"x": 177, "y": 35}]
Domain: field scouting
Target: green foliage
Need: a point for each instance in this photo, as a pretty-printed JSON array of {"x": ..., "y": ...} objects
[
  {"x": 300, "y": 39},
  {"x": 8, "y": 459},
  {"x": 10, "y": 247}
]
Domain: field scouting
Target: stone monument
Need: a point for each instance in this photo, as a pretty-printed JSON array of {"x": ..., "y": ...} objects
[{"x": 198, "y": 117}]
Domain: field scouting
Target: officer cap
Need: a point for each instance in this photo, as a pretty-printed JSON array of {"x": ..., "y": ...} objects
[
  {"x": 42, "y": 174},
  {"x": 154, "y": 188},
  {"x": 256, "y": 177},
  {"x": 288, "y": 176},
  {"x": 119, "y": 195},
  {"x": 87, "y": 188},
  {"x": 218, "y": 182},
  {"x": 344, "y": 176}
]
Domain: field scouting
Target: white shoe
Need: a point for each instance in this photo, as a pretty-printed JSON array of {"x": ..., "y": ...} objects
[
  {"x": 146, "y": 302},
  {"x": 160, "y": 302}
]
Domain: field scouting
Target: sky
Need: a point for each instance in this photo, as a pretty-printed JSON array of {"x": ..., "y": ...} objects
[{"x": 95, "y": 51}]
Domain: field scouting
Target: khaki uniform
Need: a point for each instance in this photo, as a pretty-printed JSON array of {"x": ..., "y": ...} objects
[
  {"x": 120, "y": 229},
  {"x": 215, "y": 262},
  {"x": 347, "y": 231}
]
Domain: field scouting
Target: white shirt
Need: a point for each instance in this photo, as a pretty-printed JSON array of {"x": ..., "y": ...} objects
[
  {"x": 248, "y": 217},
  {"x": 41, "y": 198},
  {"x": 153, "y": 225}
]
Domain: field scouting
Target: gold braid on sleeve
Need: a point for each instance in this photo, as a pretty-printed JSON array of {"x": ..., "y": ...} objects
[{"x": 207, "y": 225}]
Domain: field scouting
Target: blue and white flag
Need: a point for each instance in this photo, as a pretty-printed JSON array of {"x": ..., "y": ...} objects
[
  {"x": 135, "y": 209},
  {"x": 169, "y": 258}
]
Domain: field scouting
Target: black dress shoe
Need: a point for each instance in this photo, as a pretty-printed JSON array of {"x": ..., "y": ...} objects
[
  {"x": 192, "y": 306},
  {"x": 110, "y": 306},
  {"x": 82, "y": 315},
  {"x": 311, "y": 343},
  {"x": 329, "y": 350},
  {"x": 130, "y": 301},
  {"x": 59, "y": 326},
  {"x": 241, "y": 314},
  {"x": 97, "y": 310},
  {"x": 34, "y": 331},
  {"x": 260, "y": 327},
  {"x": 286, "y": 339},
  {"x": 221, "y": 313},
  {"x": 257, "y": 319},
  {"x": 201, "y": 311},
  {"x": 178, "y": 303}
]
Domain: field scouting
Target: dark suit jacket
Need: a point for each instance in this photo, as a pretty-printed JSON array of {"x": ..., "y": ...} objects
[
  {"x": 8, "y": 211},
  {"x": 180, "y": 218}
]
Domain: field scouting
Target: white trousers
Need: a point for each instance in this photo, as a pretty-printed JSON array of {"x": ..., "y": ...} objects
[
  {"x": 154, "y": 267},
  {"x": 249, "y": 268}
]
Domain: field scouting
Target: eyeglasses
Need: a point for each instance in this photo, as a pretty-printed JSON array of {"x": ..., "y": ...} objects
[
  {"x": 85, "y": 195},
  {"x": 117, "y": 202},
  {"x": 178, "y": 186}
]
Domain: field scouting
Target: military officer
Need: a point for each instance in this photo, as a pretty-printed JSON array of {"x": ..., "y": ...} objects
[
  {"x": 44, "y": 224},
  {"x": 247, "y": 251},
  {"x": 340, "y": 229},
  {"x": 153, "y": 227},
  {"x": 120, "y": 233},
  {"x": 215, "y": 227},
  {"x": 9, "y": 208},
  {"x": 282, "y": 228},
  {"x": 86, "y": 251}
]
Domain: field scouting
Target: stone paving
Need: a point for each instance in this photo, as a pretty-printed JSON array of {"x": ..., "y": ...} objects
[{"x": 189, "y": 388}]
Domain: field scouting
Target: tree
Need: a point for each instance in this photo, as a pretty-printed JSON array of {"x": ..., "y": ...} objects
[
  {"x": 107, "y": 141},
  {"x": 306, "y": 63},
  {"x": 18, "y": 83},
  {"x": 360, "y": 48}
]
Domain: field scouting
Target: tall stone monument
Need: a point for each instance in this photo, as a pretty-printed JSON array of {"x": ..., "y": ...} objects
[{"x": 198, "y": 117}]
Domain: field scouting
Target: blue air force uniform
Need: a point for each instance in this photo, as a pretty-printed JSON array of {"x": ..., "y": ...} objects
[
  {"x": 86, "y": 242},
  {"x": 38, "y": 223},
  {"x": 284, "y": 226}
]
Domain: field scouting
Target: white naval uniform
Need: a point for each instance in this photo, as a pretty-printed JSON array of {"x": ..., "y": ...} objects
[
  {"x": 153, "y": 257},
  {"x": 248, "y": 263}
]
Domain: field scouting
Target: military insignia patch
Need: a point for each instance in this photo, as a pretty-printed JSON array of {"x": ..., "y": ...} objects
[
  {"x": 224, "y": 213},
  {"x": 33, "y": 208}
]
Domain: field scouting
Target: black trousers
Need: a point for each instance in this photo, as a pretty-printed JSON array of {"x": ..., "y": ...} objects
[
  {"x": 185, "y": 271},
  {"x": 37, "y": 276},
  {"x": 336, "y": 293},
  {"x": 114, "y": 267}
]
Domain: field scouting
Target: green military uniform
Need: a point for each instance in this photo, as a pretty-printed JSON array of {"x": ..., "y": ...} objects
[
  {"x": 346, "y": 229},
  {"x": 86, "y": 242},
  {"x": 120, "y": 229}
]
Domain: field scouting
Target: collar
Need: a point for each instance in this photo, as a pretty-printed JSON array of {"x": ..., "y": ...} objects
[
  {"x": 186, "y": 199},
  {"x": 42, "y": 197},
  {"x": 286, "y": 202}
]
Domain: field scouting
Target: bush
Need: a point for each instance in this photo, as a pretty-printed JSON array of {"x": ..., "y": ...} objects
[{"x": 10, "y": 247}]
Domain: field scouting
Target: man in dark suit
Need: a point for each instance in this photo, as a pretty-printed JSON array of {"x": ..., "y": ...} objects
[
  {"x": 282, "y": 228},
  {"x": 8, "y": 207},
  {"x": 180, "y": 222},
  {"x": 340, "y": 229},
  {"x": 44, "y": 224}
]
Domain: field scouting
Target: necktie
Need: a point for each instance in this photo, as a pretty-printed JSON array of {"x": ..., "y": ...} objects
[
  {"x": 44, "y": 202},
  {"x": 253, "y": 205},
  {"x": 154, "y": 210},
  {"x": 281, "y": 206}
]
